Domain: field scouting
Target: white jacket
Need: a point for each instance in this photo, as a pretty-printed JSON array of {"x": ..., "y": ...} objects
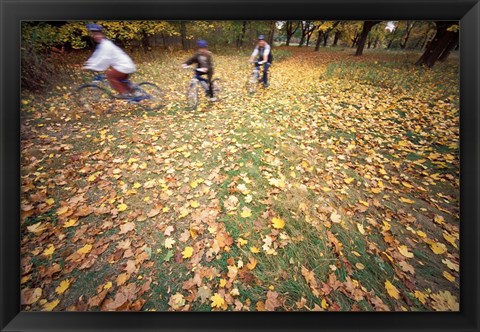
[{"x": 106, "y": 55}]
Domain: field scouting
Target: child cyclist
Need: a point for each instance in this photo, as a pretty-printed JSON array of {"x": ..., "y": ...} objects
[
  {"x": 204, "y": 61},
  {"x": 262, "y": 56},
  {"x": 112, "y": 59}
]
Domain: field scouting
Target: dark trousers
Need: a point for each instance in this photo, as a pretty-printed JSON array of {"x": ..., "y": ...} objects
[
  {"x": 208, "y": 80},
  {"x": 266, "y": 65}
]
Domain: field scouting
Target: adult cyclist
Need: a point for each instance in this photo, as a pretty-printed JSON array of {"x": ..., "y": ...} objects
[
  {"x": 262, "y": 56},
  {"x": 112, "y": 59}
]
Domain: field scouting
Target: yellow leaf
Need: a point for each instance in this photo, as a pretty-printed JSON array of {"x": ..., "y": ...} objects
[
  {"x": 406, "y": 200},
  {"x": 376, "y": 190},
  {"x": 438, "y": 248},
  {"x": 391, "y": 290},
  {"x": 406, "y": 184},
  {"x": 360, "y": 228},
  {"x": 421, "y": 297},
  {"x": 91, "y": 178},
  {"x": 183, "y": 213},
  {"x": 241, "y": 242},
  {"x": 122, "y": 207},
  {"x": 439, "y": 220},
  {"x": 278, "y": 223},
  {"x": 324, "y": 304},
  {"x": 50, "y": 201},
  {"x": 108, "y": 285},
  {"x": 64, "y": 285},
  {"x": 223, "y": 282},
  {"x": 450, "y": 239},
  {"x": 70, "y": 223},
  {"x": 254, "y": 250},
  {"x": 85, "y": 249},
  {"x": 194, "y": 204},
  {"x": 360, "y": 266},
  {"x": 217, "y": 301},
  {"x": 448, "y": 276},
  {"x": 136, "y": 185},
  {"x": 451, "y": 265},
  {"x": 421, "y": 234},
  {"x": 326, "y": 189},
  {"x": 404, "y": 251},
  {"x": 253, "y": 262},
  {"x": 348, "y": 180},
  {"x": 49, "y": 306},
  {"x": 49, "y": 251},
  {"x": 246, "y": 212},
  {"x": 62, "y": 210},
  {"x": 187, "y": 253}
]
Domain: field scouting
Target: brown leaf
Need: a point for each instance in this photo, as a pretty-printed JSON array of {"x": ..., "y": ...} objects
[
  {"x": 98, "y": 299},
  {"x": 272, "y": 301},
  {"x": 127, "y": 227}
]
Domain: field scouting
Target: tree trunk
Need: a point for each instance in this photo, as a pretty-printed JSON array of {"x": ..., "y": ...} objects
[
  {"x": 407, "y": 35},
  {"x": 308, "y": 39},
  {"x": 390, "y": 42},
  {"x": 449, "y": 48},
  {"x": 336, "y": 38},
  {"x": 325, "y": 38},
  {"x": 183, "y": 33},
  {"x": 244, "y": 30},
  {"x": 367, "y": 26},
  {"x": 355, "y": 38},
  {"x": 425, "y": 41},
  {"x": 290, "y": 31},
  {"x": 319, "y": 40},
  {"x": 145, "y": 42},
  {"x": 439, "y": 44},
  {"x": 375, "y": 43},
  {"x": 271, "y": 32}
]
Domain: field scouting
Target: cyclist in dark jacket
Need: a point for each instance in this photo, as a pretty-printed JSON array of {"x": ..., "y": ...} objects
[
  {"x": 204, "y": 60},
  {"x": 263, "y": 53}
]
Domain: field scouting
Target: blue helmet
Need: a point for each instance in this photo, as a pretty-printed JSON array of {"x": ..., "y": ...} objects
[
  {"x": 201, "y": 43},
  {"x": 261, "y": 37},
  {"x": 94, "y": 27}
]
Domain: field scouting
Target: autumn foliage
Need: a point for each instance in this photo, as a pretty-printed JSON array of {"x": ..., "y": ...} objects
[{"x": 334, "y": 189}]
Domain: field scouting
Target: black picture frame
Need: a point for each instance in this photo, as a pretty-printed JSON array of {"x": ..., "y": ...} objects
[{"x": 14, "y": 11}]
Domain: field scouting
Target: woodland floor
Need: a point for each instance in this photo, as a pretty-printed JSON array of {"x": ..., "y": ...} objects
[{"x": 337, "y": 188}]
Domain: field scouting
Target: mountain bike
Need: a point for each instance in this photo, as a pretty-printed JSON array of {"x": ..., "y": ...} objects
[
  {"x": 193, "y": 88},
  {"x": 253, "y": 78},
  {"x": 97, "y": 96}
]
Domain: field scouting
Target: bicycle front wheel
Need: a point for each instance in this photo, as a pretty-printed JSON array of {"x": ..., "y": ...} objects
[
  {"x": 217, "y": 88},
  {"x": 94, "y": 99},
  {"x": 192, "y": 95},
  {"x": 251, "y": 84},
  {"x": 152, "y": 97}
]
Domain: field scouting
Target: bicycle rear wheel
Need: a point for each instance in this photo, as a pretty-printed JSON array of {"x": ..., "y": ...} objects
[
  {"x": 94, "y": 99},
  {"x": 192, "y": 95},
  {"x": 152, "y": 97}
]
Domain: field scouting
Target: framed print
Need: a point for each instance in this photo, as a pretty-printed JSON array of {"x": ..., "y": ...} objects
[{"x": 239, "y": 165}]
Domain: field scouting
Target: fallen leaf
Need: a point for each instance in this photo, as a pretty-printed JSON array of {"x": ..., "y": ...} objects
[
  {"x": 392, "y": 290},
  {"x": 278, "y": 223},
  {"x": 187, "y": 253},
  {"x": 64, "y": 285}
]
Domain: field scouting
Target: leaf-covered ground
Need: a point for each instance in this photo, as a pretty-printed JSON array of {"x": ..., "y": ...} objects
[{"x": 337, "y": 188}]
